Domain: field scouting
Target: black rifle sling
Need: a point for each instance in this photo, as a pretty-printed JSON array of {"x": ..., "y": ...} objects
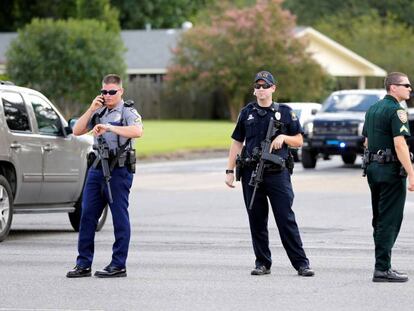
[{"x": 96, "y": 119}]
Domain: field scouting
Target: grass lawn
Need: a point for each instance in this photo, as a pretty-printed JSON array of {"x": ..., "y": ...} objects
[{"x": 168, "y": 136}]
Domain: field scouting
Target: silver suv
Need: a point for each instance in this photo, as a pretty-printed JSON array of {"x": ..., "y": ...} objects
[{"x": 42, "y": 164}]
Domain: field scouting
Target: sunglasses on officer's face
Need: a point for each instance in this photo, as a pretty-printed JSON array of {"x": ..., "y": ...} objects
[
  {"x": 257, "y": 86},
  {"x": 407, "y": 85},
  {"x": 110, "y": 92}
]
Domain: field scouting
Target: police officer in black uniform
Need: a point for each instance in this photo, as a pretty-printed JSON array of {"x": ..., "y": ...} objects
[
  {"x": 118, "y": 123},
  {"x": 251, "y": 130}
]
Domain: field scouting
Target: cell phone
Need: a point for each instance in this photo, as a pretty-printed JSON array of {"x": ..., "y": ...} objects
[{"x": 102, "y": 100}]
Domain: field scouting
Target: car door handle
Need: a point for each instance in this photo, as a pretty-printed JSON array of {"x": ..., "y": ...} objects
[
  {"x": 15, "y": 145},
  {"x": 48, "y": 148}
]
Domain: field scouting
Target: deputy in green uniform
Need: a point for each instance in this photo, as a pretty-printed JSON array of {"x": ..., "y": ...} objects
[{"x": 385, "y": 130}]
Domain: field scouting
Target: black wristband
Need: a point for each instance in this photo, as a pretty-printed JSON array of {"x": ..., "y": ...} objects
[{"x": 229, "y": 171}]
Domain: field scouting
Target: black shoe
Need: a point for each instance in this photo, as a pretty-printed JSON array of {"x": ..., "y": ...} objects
[
  {"x": 389, "y": 276},
  {"x": 306, "y": 271},
  {"x": 262, "y": 270},
  {"x": 111, "y": 272},
  {"x": 78, "y": 272}
]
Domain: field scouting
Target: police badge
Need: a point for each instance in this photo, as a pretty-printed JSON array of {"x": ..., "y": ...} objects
[{"x": 277, "y": 115}]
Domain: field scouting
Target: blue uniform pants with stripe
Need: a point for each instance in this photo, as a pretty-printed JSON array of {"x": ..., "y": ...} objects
[{"x": 95, "y": 198}]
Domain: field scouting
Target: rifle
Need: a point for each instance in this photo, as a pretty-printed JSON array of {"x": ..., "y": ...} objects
[
  {"x": 103, "y": 155},
  {"x": 263, "y": 155}
]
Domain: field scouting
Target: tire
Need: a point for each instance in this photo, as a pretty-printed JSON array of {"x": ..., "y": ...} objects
[
  {"x": 75, "y": 217},
  {"x": 308, "y": 158},
  {"x": 6, "y": 208},
  {"x": 349, "y": 158}
]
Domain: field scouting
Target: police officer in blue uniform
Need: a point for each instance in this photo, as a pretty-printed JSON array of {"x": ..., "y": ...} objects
[
  {"x": 118, "y": 123},
  {"x": 251, "y": 130}
]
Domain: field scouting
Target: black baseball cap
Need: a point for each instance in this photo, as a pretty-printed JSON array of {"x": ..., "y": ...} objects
[{"x": 265, "y": 76}]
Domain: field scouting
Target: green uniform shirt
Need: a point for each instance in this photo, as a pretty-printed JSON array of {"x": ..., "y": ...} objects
[{"x": 385, "y": 120}]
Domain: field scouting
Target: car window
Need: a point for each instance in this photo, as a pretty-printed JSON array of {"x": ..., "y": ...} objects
[
  {"x": 349, "y": 102},
  {"x": 15, "y": 112},
  {"x": 48, "y": 120}
]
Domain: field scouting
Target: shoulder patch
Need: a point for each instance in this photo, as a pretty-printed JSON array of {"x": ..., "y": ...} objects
[
  {"x": 294, "y": 116},
  {"x": 402, "y": 115}
]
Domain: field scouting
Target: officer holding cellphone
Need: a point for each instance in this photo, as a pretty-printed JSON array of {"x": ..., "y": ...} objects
[{"x": 118, "y": 123}]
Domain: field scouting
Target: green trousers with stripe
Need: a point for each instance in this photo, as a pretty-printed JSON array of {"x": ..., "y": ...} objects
[{"x": 388, "y": 193}]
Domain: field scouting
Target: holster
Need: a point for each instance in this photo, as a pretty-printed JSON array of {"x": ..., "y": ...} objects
[
  {"x": 91, "y": 159},
  {"x": 365, "y": 161},
  {"x": 290, "y": 163},
  {"x": 131, "y": 160},
  {"x": 240, "y": 163}
]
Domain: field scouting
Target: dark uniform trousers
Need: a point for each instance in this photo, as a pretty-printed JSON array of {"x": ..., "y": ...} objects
[
  {"x": 277, "y": 186},
  {"x": 93, "y": 203},
  {"x": 388, "y": 192}
]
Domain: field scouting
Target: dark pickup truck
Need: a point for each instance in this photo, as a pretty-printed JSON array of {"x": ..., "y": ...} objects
[{"x": 337, "y": 128}]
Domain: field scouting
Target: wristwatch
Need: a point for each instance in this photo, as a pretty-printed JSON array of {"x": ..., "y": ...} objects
[
  {"x": 229, "y": 171},
  {"x": 108, "y": 127}
]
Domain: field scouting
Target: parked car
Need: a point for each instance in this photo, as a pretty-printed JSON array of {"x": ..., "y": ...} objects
[
  {"x": 42, "y": 164},
  {"x": 337, "y": 128},
  {"x": 305, "y": 112}
]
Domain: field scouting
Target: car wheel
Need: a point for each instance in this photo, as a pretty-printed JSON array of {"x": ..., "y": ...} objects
[
  {"x": 75, "y": 216},
  {"x": 308, "y": 158},
  {"x": 349, "y": 158},
  {"x": 6, "y": 208}
]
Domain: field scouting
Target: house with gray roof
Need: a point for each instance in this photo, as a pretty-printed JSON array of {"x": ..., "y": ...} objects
[{"x": 149, "y": 52}]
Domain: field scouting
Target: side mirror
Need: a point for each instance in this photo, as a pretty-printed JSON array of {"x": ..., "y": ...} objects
[
  {"x": 71, "y": 124},
  {"x": 68, "y": 130},
  {"x": 314, "y": 111}
]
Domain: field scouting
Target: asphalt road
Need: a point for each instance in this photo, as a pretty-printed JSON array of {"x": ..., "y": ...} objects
[{"x": 191, "y": 249}]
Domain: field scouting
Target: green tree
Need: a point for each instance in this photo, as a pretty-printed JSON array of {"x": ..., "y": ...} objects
[
  {"x": 15, "y": 14},
  {"x": 158, "y": 13},
  {"x": 100, "y": 10},
  {"x": 65, "y": 60},
  {"x": 386, "y": 42},
  {"x": 227, "y": 51},
  {"x": 310, "y": 12}
]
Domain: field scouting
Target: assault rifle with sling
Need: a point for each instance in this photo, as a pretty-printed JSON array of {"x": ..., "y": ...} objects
[
  {"x": 264, "y": 155},
  {"x": 103, "y": 156}
]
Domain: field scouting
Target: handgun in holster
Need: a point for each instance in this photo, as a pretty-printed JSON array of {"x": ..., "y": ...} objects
[
  {"x": 365, "y": 162},
  {"x": 240, "y": 163}
]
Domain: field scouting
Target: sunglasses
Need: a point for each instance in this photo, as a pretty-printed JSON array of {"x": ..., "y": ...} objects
[
  {"x": 265, "y": 86},
  {"x": 407, "y": 85},
  {"x": 110, "y": 92}
]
